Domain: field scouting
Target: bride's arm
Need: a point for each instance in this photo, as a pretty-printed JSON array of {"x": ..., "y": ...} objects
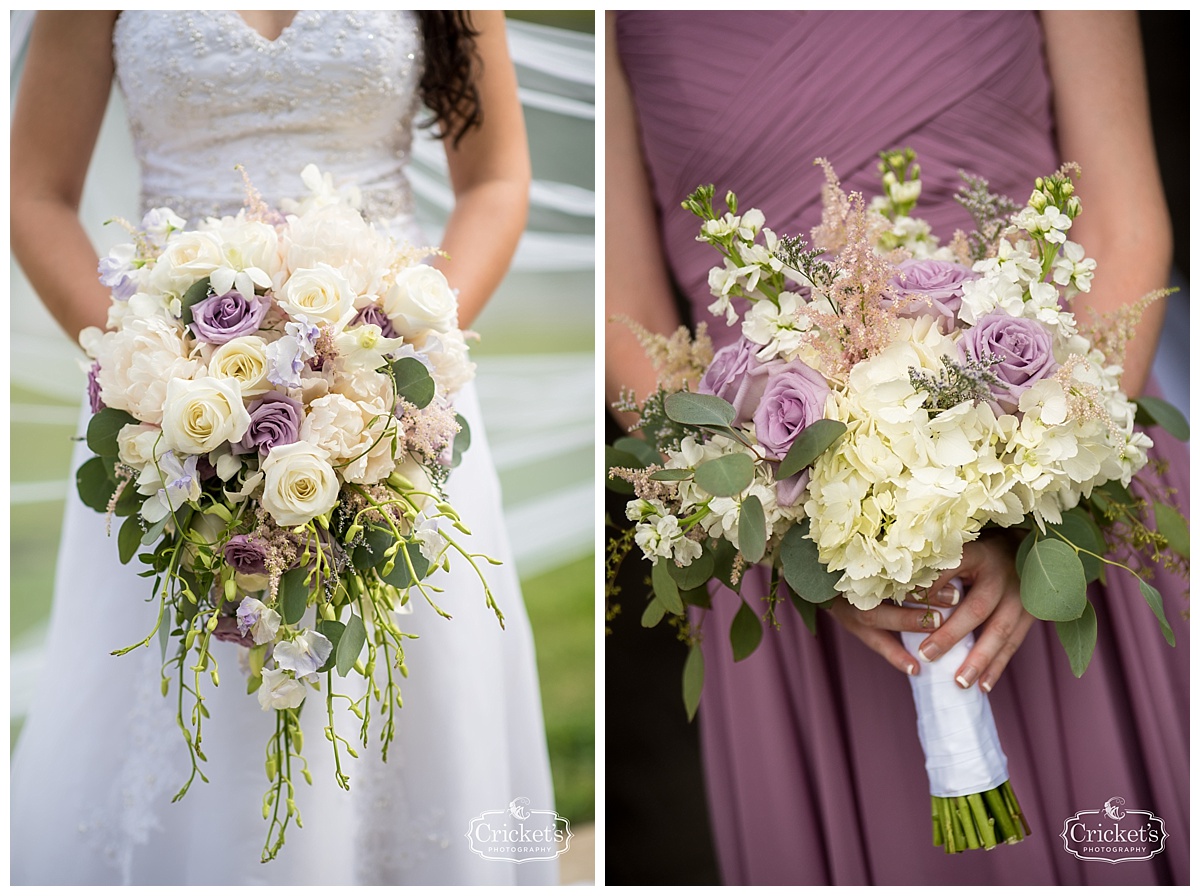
[
  {"x": 64, "y": 90},
  {"x": 489, "y": 172}
]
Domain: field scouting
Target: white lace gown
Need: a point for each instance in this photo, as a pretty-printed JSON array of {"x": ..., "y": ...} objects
[{"x": 101, "y": 756}]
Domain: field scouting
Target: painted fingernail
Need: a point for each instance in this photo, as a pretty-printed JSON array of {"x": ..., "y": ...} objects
[
  {"x": 985, "y": 686},
  {"x": 949, "y": 594},
  {"x": 911, "y": 669},
  {"x": 929, "y": 652},
  {"x": 966, "y": 677},
  {"x": 931, "y": 620}
]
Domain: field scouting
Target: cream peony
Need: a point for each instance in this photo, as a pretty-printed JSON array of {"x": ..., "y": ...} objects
[
  {"x": 337, "y": 235},
  {"x": 137, "y": 362},
  {"x": 360, "y": 437},
  {"x": 299, "y": 483},
  {"x": 421, "y": 300},
  {"x": 202, "y": 414}
]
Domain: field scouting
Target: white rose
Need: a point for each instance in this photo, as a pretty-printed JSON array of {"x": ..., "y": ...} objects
[
  {"x": 245, "y": 360},
  {"x": 338, "y": 236},
  {"x": 137, "y": 362},
  {"x": 319, "y": 293},
  {"x": 138, "y": 444},
  {"x": 421, "y": 300},
  {"x": 202, "y": 414},
  {"x": 299, "y": 483},
  {"x": 280, "y": 691},
  {"x": 190, "y": 256}
]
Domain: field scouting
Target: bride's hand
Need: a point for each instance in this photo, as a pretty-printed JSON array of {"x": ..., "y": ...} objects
[{"x": 992, "y": 601}]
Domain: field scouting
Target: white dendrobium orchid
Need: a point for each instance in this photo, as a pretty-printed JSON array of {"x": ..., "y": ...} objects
[{"x": 365, "y": 347}]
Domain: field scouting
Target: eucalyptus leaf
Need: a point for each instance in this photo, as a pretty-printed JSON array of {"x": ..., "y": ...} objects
[
  {"x": 697, "y": 597},
  {"x": 1153, "y": 411},
  {"x": 94, "y": 482},
  {"x": 413, "y": 381},
  {"x": 615, "y": 458},
  {"x": 1026, "y": 543},
  {"x": 693, "y": 680},
  {"x": 462, "y": 441},
  {"x": 671, "y": 475},
  {"x": 807, "y": 611},
  {"x": 726, "y": 476},
  {"x": 331, "y": 629},
  {"x": 1077, "y": 528},
  {"x": 745, "y": 633},
  {"x": 665, "y": 588},
  {"x": 103, "y": 429},
  {"x": 752, "y": 529},
  {"x": 639, "y": 448},
  {"x": 400, "y": 577},
  {"x": 694, "y": 575},
  {"x": 129, "y": 539},
  {"x": 350, "y": 645},
  {"x": 1174, "y": 528},
  {"x": 802, "y": 567},
  {"x": 195, "y": 294},
  {"x": 813, "y": 441},
  {"x": 724, "y": 554},
  {"x": 1053, "y": 586},
  {"x": 694, "y": 409},
  {"x": 1078, "y": 638},
  {"x": 653, "y": 613},
  {"x": 370, "y": 554},
  {"x": 153, "y": 534},
  {"x": 293, "y": 595},
  {"x": 1154, "y": 599}
]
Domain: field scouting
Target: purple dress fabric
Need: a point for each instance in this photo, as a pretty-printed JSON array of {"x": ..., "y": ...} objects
[{"x": 814, "y": 771}]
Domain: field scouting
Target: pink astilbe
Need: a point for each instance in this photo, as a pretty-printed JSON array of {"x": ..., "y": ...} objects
[
  {"x": 427, "y": 431},
  {"x": 679, "y": 360},
  {"x": 256, "y": 207},
  {"x": 1084, "y": 401},
  {"x": 831, "y": 233},
  {"x": 1110, "y": 331}
]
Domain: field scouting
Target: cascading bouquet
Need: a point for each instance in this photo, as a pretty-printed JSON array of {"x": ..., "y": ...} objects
[
  {"x": 273, "y": 417},
  {"x": 883, "y": 406}
]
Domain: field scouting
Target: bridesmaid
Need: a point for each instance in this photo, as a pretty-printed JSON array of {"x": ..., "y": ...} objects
[{"x": 813, "y": 768}]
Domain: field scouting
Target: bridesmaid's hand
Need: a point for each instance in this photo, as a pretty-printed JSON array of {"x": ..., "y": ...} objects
[
  {"x": 992, "y": 604},
  {"x": 875, "y": 627}
]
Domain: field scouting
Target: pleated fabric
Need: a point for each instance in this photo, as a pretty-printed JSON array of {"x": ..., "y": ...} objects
[{"x": 813, "y": 767}]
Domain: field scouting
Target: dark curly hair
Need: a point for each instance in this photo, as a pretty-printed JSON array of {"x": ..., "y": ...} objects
[{"x": 449, "y": 83}]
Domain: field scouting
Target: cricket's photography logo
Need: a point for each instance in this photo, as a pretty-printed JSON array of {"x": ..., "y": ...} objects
[
  {"x": 1114, "y": 834},
  {"x": 519, "y": 833}
]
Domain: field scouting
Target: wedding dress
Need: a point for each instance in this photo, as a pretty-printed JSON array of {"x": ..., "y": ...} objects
[{"x": 101, "y": 755}]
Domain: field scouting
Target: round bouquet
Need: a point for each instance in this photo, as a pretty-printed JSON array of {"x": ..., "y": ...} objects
[{"x": 273, "y": 421}]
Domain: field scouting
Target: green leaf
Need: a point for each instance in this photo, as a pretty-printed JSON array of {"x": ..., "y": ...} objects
[
  {"x": 653, "y": 613},
  {"x": 196, "y": 293},
  {"x": 813, "y": 441},
  {"x": 1079, "y": 529},
  {"x": 694, "y": 575},
  {"x": 129, "y": 539},
  {"x": 693, "y": 409},
  {"x": 724, "y": 554},
  {"x": 807, "y": 611},
  {"x": 1053, "y": 586},
  {"x": 1115, "y": 493},
  {"x": 370, "y": 554},
  {"x": 152, "y": 535},
  {"x": 665, "y": 588},
  {"x": 726, "y": 476},
  {"x": 351, "y": 644},
  {"x": 1174, "y": 528},
  {"x": 103, "y": 429},
  {"x": 752, "y": 529},
  {"x": 1154, "y": 411},
  {"x": 1078, "y": 638},
  {"x": 400, "y": 577},
  {"x": 745, "y": 633},
  {"x": 639, "y": 448},
  {"x": 693, "y": 680},
  {"x": 331, "y": 629},
  {"x": 670, "y": 475},
  {"x": 1154, "y": 599},
  {"x": 413, "y": 381},
  {"x": 802, "y": 567},
  {"x": 462, "y": 441},
  {"x": 94, "y": 481},
  {"x": 615, "y": 458},
  {"x": 1026, "y": 543},
  {"x": 697, "y": 597},
  {"x": 293, "y": 595}
]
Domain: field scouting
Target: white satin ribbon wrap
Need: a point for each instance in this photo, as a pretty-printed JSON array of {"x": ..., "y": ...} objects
[{"x": 962, "y": 748}]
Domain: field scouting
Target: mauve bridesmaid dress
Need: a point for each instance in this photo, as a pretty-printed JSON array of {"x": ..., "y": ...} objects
[{"x": 814, "y": 771}]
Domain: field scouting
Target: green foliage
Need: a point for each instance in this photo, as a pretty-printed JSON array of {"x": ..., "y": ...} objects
[
  {"x": 694, "y": 409},
  {"x": 693, "y": 680},
  {"x": 350, "y": 644},
  {"x": 802, "y": 567},
  {"x": 1174, "y": 528},
  {"x": 413, "y": 382},
  {"x": 615, "y": 458},
  {"x": 462, "y": 440},
  {"x": 1078, "y": 638},
  {"x": 1154, "y": 599},
  {"x": 752, "y": 529},
  {"x": 331, "y": 629},
  {"x": 745, "y": 633},
  {"x": 665, "y": 589},
  {"x": 653, "y": 613},
  {"x": 640, "y": 449},
  {"x": 196, "y": 293},
  {"x": 293, "y": 595},
  {"x": 695, "y": 575},
  {"x": 816, "y": 438},
  {"x": 1053, "y": 585},
  {"x": 129, "y": 539},
  {"x": 95, "y": 483},
  {"x": 1156, "y": 412},
  {"x": 401, "y": 577},
  {"x": 727, "y": 475},
  {"x": 103, "y": 429}
]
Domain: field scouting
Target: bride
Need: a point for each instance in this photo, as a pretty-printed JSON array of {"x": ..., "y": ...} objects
[{"x": 101, "y": 756}]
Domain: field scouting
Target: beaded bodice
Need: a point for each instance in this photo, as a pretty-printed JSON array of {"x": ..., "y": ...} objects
[{"x": 205, "y": 92}]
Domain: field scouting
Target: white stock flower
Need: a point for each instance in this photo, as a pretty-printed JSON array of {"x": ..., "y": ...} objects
[
  {"x": 245, "y": 360},
  {"x": 137, "y": 363},
  {"x": 1073, "y": 270},
  {"x": 779, "y": 330},
  {"x": 202, "y": 414},
  {"x": 298, "y": 483},
  {"x": 1051, "y": 224},
  {"x": 280, "y": 691},
  {"x": 421, "y": 300},
  {"x": 319, "y": 293}
]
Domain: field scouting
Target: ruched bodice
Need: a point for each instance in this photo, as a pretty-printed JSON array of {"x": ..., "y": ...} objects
[{"x": 206, "y": 92}]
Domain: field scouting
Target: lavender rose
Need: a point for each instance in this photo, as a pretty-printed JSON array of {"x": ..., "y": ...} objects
[
  {"x": 938, "y": 281},
  {"x": 274, "y": 420},
  {"x": 1025, "y": 349},
  {"x": 736, "y": 375},
  {"x": 218, "y": 319},
  {"x": 246, "y": 554},
  {"x": 373, "y": 314},
  {"x": 794, "y": 398}
]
